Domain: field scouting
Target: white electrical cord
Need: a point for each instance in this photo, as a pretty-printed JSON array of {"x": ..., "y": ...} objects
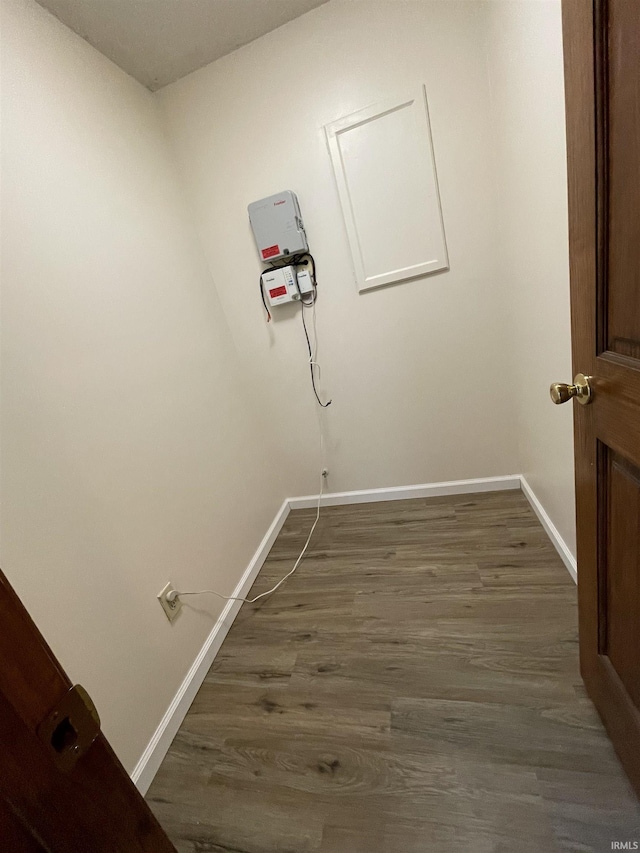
[
  {"x": 174, "y": 594},
  {"x": 177, "y": 594}
]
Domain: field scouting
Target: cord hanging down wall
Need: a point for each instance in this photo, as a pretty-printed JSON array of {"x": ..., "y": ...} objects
[{"x": 282, "y": 243}]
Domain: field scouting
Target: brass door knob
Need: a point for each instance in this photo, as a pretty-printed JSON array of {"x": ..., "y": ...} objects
[{"x": 581, "y": 390}]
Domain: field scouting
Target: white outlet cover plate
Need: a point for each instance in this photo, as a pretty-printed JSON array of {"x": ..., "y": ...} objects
[{"x": 171, "y": 609}]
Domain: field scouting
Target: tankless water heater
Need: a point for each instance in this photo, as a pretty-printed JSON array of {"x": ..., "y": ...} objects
[{"x": 277, "y": 226}]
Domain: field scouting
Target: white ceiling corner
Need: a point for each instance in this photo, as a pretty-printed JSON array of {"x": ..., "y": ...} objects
[{"x": 159, "y": 41}]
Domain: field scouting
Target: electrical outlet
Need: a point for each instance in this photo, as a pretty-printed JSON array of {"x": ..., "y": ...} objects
[{"x": 171, "y": 608}]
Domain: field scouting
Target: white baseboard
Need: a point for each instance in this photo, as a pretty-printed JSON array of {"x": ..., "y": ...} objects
[
  {"x": 156, "y": 749},
  {"x": 552, "y": 531},
  {"x": 399, "y": 493}
]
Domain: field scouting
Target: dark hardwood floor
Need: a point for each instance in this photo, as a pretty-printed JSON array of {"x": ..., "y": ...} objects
[{"x": 413, "y": 687}]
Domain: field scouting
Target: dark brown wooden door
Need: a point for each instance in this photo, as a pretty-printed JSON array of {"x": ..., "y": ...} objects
[
  {"x": 602, "y": 79},
  {"x": 92, "y": 806}
]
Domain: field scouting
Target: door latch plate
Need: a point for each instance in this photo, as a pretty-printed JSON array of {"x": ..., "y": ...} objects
[{"x": 70, "y": 728}]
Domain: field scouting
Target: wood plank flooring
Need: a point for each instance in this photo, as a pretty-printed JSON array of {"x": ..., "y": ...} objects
[{"x": 413, "y": 687}]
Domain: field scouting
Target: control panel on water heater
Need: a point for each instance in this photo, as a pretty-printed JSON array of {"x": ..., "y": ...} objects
[{"x": 281, "y": 285}]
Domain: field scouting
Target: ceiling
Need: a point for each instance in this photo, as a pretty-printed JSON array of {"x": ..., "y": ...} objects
[{"x": 159, "y": 41}]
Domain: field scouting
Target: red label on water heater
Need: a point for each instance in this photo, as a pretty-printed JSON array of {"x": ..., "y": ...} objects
[
  {"x": 271, "y": 251},
  {"x": 278, "y": 291}
]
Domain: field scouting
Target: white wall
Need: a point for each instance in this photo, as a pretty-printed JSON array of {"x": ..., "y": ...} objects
[
  {"x": 130, "y": 452},
  {"x": 446, "y": 376},
  {"x": 417, "y": 371},
  {"x": 524, "y": 50}
]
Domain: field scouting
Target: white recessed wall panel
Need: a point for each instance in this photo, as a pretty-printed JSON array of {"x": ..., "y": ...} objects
[{"x": 385, "y": 171}]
